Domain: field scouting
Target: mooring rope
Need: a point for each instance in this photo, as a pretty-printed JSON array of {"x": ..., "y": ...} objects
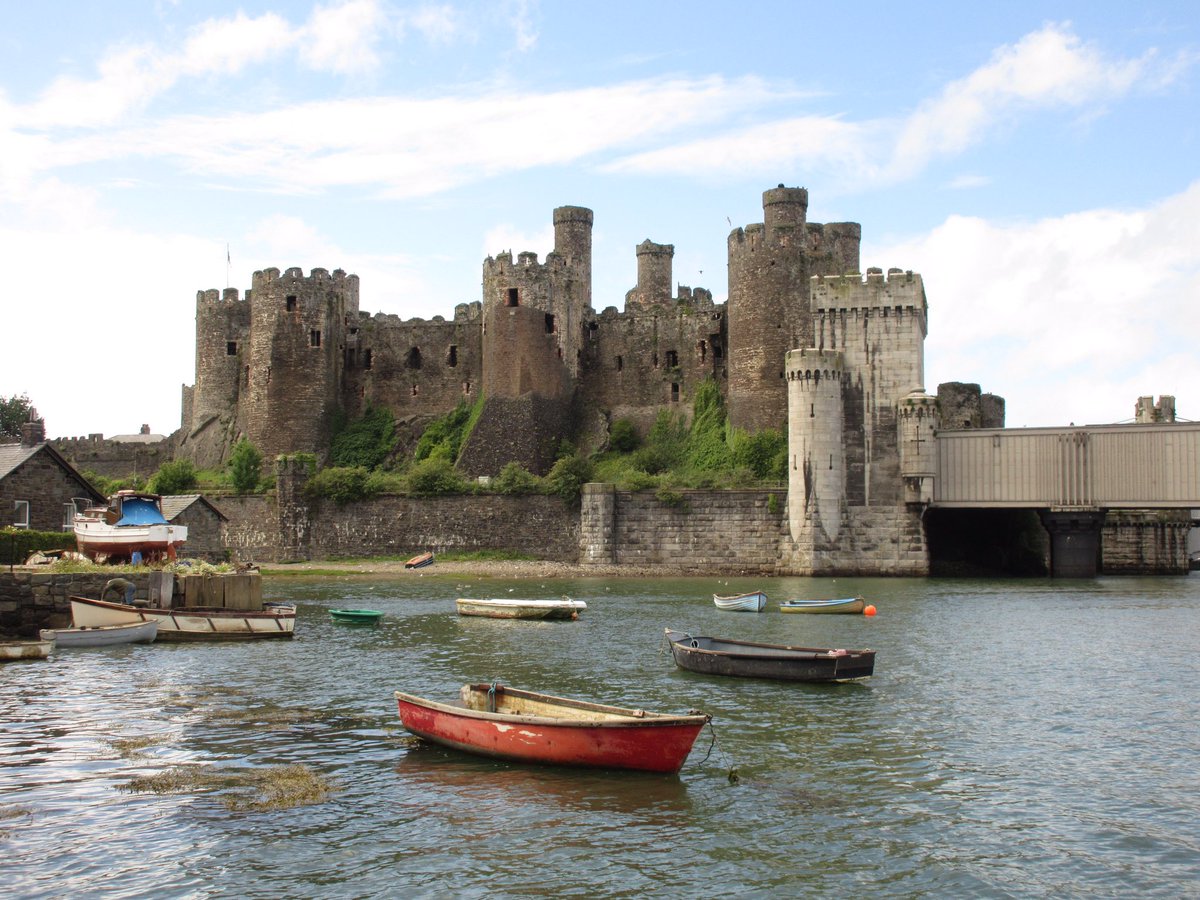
[{"x": 725, "y": 760}]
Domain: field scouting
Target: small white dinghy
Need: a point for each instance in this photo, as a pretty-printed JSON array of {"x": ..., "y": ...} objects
[
  {"x": 102, "y": 635},
  {"x": 565, "y": 608}
]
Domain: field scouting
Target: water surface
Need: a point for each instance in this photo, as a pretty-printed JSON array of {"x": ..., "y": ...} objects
[{"x": 1019, "y": 738}]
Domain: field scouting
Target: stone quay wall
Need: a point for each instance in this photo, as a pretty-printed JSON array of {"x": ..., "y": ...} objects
[
  {"x": 705, "y": 532},
  {"x": 33, "y": 600},
  {"x": 1145, "y": 542}
]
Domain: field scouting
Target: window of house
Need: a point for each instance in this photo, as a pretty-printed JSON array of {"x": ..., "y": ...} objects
[
  {"x": 314, "y": 338},
  {"x": 20, "y": 514},
  {"x": 452, "y": 356},
  {"x": 68, "y": 522},
  {"x": 291, "y": 303},
  {"x": 231, "y": 348},
  {"x": 512, "y": 298}
]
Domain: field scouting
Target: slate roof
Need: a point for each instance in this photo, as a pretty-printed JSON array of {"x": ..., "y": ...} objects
[
  {"x": 13, "y": 456},
  {"x": 174, "y": 504}
]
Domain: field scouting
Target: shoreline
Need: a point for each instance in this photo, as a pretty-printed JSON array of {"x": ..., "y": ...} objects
[{"x": 486, "y": 569}]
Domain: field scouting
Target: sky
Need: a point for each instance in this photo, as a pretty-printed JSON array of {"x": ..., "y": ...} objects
[{"x": 1037, "y": 163}]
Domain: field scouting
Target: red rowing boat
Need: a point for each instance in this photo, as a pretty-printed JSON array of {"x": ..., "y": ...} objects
[{"x": 525, "y": 726}]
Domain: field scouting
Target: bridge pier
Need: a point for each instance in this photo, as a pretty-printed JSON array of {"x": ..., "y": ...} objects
[{"x": 1074, "y": 541}]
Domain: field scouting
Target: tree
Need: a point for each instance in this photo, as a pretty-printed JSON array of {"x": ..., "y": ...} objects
[
  {"x": 13, "y": 413},
  {"x": 245, "y": 466},
  {"x": 175, "y": 477}
]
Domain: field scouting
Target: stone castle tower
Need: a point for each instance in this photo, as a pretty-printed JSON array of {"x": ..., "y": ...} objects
[
  {"x": 860, "y": 426},
  {"x": 769, "y": 270}
]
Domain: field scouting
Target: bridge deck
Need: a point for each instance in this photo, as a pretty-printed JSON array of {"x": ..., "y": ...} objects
[{"x": 1095, "y": 466}]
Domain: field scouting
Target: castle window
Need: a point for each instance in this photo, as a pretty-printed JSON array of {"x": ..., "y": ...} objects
[
  {"x": 452, "y": 356},
  {"x": 672, "y": 359},
  {"x": 291, "y": 303},
  {"x": 716, "y": 350},
  {"x": 655, "y": 360},
  {"x": 620, "y": 363},
  {"x": 812, "y": 410},
  {"x": 231, "y": 348},
  {"x": 413, "y": 360},
  {"x": 591, "y": 331},
  {"x": 268, "y": 374},
  {"x": 703, "y": 350},
  {"x": 366, "y": 359},
  {"x": 512, "y": 298},
  {"x": 314, "y": 338},
  {"x": 549, "y": 324},
  {"x": 467, "y": 388},
  {"x": 675, "y": 393},
  {"x": 349, "y": 357},
  {"x": 414, "y": 390}
]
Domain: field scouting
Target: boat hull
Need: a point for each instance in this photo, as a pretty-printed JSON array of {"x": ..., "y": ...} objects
[
  {"x": 356, "y": 616},
  {"x": 10, "y": 651},
  {"x": 418, "y": 562},
  {"x": 521, "y": 609},
  {"x": 96, "y": 539},
  {"x": 846, "y": 605},
  {"x": 752, "y": 602},
  {"x": 102, "y": 635},
  {"x": 538, "y": 728},
  {"x": 189, "y": 623},
  {"x": 744, "y": 659}
]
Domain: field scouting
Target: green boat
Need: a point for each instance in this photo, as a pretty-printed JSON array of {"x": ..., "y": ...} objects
[{"x": 360, "y": 616}]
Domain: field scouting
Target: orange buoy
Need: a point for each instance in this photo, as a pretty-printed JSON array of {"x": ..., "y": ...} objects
[{"x": 869, "y": 610}]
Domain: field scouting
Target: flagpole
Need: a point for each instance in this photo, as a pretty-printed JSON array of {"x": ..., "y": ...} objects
[{"x": 227, "y": 263}]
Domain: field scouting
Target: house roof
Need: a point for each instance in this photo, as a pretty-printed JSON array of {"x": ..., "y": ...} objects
[
  {"x": 13, "y": 456},
  {"x": 174, "y": 504}
]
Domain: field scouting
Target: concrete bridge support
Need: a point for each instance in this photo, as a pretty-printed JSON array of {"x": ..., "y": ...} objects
[{"x": 1074, "y": 541}]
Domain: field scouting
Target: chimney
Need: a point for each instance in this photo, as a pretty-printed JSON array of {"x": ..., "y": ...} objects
[{"x": 33, "y": 432}]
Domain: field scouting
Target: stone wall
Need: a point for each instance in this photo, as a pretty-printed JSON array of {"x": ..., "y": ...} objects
[
  {"x": 542, "y": 527},
  {"x": 33, "y": 600},
  {"x": 115, "y": 459},
  {"x": 1145, "y": 542},
  {"x": 704, "y": 532}
]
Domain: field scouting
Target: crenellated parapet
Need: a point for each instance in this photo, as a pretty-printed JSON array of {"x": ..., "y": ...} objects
[{"x": 899, "y": 293}]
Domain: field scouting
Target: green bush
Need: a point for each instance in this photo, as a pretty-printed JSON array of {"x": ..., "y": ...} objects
[
  {"x": 175, "y": 477},
  {"x": 435, "y": 475},
  {"x": 445, "y": 436},
  {"x": 515, "y": 479},
  {"x": 367, "y": 442},
  {"x": 705, "y": 448},
  {"x": 568, "y": 476},
  {"x": 340, "y": 484},
  {"x": 16, "y": 544},
  {"x": 245, "y": 466},
  {"x": 623, "y": 436},
  {"x": 763, "y": 452}
]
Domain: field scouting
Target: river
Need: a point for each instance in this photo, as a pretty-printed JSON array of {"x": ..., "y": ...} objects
[{"x": 1019, "y": 738}]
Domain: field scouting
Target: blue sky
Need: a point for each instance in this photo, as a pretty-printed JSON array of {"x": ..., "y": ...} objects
[{"x": 1035, "y": 162}]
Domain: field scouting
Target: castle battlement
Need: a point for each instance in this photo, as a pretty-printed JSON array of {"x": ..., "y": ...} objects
[
  {"x": 213, "y": 296},
  {"x": 809, "y": 367},
  {"x": 900, "y": 291}
]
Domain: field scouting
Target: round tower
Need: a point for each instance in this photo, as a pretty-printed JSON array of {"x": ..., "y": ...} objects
[
  {"x": 917, "y": 418},
  {"x": 222, "y": 329},
  {"x": 816, "y": 460},
  {"x": 573, "y": 242},
  {"x": 654, "y": 283},
  {"x": 297, "y": 336},
  {"x": 784, "y": 206}
]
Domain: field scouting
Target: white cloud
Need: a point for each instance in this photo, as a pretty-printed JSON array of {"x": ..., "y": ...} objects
[
  {"x": 1098, "y": 302},
  {"x": 436, "y": 24},
  {"x": 226, "y": 46},
  {"x": 506, "y": 237},
  {"x": 342, "y": 38}
]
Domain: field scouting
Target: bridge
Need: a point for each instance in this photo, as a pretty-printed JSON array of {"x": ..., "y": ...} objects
[{"x": 1072, "y": 476}]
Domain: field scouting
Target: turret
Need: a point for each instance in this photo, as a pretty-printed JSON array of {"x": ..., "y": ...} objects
[
  {"x": 654, "y": 284},
  {"x": 816, "y": 454}
]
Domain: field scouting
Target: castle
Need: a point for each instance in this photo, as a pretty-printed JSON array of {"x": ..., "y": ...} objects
[{"x": 804, "y": 343}]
